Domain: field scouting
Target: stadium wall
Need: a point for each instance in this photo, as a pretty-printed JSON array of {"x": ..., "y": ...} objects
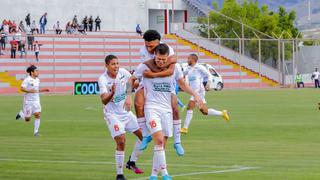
[{"x": 116, "y": 15}]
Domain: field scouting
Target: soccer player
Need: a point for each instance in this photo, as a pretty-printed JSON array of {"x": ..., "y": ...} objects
[
  {"x": 158, "y": 106},
  {"x": 152, "y": 40},
  {"x": 117, "y": 114},
  {"x": 196, "y": 73},
  {"x": 31, "y": 102}
]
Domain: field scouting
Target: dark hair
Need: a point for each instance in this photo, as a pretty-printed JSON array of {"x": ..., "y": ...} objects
[
  {"x": 162, "y": 49},
  {"x": 151, "y": 35},
  {"x": 109, "y": 58},
  {"x": 31, "y": 69},
  {"x": 194, "y": 56}
]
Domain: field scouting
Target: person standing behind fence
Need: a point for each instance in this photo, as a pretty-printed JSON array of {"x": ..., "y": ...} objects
[
  {"x": 14, "y": 47},
  {"x": 85, "y": 23},
  {"x": 43, "y": 23},
  {"x": 37, "y": 50},
  {"x": 315, "y": 76},
  {"x": 90, "y": 21},
  {"x": 28, "y": 21},
  {"x": 138, "y": 29},
  {"x": 98, "y": 22},
  {"x": 299, "y": 81}
]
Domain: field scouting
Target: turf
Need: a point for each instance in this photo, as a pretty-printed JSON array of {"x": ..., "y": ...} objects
[{"x": 276, "y": 133}]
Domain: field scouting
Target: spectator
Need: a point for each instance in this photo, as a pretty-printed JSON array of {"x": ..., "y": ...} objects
[
  {"x": 299, "y": 81},
  {"x": 98, "y": 22},
  {"x": 57, "y": 28},
  {"x": 3, "y": 39},
  {"x": 68, "y": 28},
  {"x": 28, "y": 21},
  {"x": 81, "y": 29},
  {"x": 85, "y": 23},
  {"x": 13, "y": 27},
  {"x": 75, "y": 20},
  {"x": 34, "y": 27},
  {"x": 22, "y": 48},
  {"x": 43, "y": 23},
  {"x": 21, "y": 27},
  {"x": 315, "y": 76},
  {"x": 90, "y": 21},
  {"x": 30, "y": 39},
  {"x": 37, "y": 50},
  {"x": 14, "y": 46},
  {"x": 138, "y": 29}
]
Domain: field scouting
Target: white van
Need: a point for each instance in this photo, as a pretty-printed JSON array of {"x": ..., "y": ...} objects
[{"x": 216, "y": 81}]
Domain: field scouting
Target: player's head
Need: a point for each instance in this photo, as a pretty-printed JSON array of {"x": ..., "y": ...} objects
[
  {"x": 112, "y": 64},
  {"x": 33, "y": 71},
  {"x": 192, "y": 59},
  {"x": 162, "y": 53},
  {"x": 151, "y": 40}
]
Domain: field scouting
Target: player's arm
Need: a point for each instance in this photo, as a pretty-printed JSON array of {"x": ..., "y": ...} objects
[
  {"x": 23, "y": 89},
  {"x": 186, "y": 88},
  {"x": 164, "y": 73},
  {"x": 107, "y": 97},
  {"x": 44, "y": 90}
]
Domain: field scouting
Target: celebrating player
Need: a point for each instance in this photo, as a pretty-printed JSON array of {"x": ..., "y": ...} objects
[
  {"x": 152, "y": 40},
  {"x": 117, "y": 114},
  {"x": 195, "y": 73},
  {"x": 31, "y": 102},
  {"x": 158, "y": 107}
]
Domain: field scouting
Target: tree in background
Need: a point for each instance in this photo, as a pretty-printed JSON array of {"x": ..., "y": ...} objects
[{"x": 274, "y": 24}]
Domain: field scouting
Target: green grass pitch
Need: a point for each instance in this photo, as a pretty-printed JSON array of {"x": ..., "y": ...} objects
[{"x": 272, "y": 135}]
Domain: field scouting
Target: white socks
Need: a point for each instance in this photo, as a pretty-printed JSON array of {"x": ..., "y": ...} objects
[
  {"x": 136, "y": 151},
  {"x": 159, "y": 161},
  {"x": 176, "y": 131},
  {"x": 188, "y": 118},
  {"x": 119, "y": 155},
  {"x": 36, "y": 125},
  {"x": 142, "y": 124},
  {"x": 213, "y": 112}
]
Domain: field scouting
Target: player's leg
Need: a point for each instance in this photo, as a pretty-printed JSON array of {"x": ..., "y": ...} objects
[
  {"x": 119, "y": 155},
  {"x": 159, "y": 157},
  {"x": 132, "y": 126},
  {"x": 189, "y": 116},
  {"x": 139, "y": 107},
  {"x": 36, "y": 123},
  {"x": 117, "y": 131},
  {"x": 176, "y": 126},
  {"x": 36, "y": 108},
  {"x": 213, "y": 112}
]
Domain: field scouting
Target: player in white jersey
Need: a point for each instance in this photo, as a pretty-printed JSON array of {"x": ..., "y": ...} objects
[
  {"x": 196, "y": 73},
  {"x": 31, "y": 101},
  {"x": 152, "y": 39},
  {"x": 158, "y": 107},
  {"x": 117, "y": 113}
]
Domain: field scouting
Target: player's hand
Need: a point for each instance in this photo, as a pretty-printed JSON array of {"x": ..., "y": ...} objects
[
  {"x": 113, "y": 88},
  {"x": 45, "y": 90},
  {"x": 148, "y": 74},
  {"x": 198, "y": 101},
  {"x": 151, "y": 65}
]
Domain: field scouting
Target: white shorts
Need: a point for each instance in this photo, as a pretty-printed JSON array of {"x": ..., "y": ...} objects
[
  {"x": 119, "y": 124},
  {"x": 159, "y": 120},
  {"x": 202, "y": 95},
  {"x": 31, "y": 107}
]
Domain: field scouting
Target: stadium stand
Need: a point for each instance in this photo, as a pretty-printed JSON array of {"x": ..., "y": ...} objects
[{"x": 65, "y": 59}]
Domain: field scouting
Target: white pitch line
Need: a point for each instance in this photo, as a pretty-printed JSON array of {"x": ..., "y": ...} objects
[
  {"x": 206, "y": 172},
  {"x": 112, "y": 163}
]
